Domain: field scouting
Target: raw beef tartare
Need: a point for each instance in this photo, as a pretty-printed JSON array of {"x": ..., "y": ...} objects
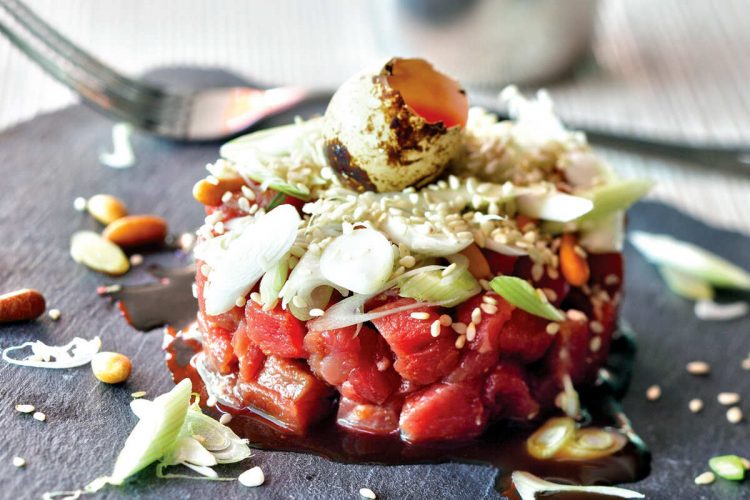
[{"x": 407, "y": 263}]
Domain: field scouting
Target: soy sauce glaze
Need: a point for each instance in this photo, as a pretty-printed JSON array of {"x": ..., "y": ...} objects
[{"x": 503, "y": 446}]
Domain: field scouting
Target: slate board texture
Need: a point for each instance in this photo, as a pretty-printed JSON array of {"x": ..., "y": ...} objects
[{"x": 46, "y": 163}]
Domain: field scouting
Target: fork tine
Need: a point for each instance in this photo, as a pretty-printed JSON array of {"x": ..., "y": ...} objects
[
  {"x": 143, "y": 115},
  {"x": 60, "y": 44}
]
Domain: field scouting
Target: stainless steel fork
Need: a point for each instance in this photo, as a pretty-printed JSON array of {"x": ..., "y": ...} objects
[
  {"x": 201, "y": 115},
  {"x": 221, "y": 112}
]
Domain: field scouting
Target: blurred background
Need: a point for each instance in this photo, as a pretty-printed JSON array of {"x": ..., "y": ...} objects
[{"x": 663, "y": 69}]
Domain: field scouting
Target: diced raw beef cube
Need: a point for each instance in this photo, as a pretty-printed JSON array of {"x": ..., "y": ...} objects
[
  {"x": 420, "y": 357},
  {"x": 507, "y": 395},
  {"x": 443, "y": 411},
  {"x": 287, "y": 393},
  {"x": 369, "y": 418},
  {"x": 524, "y": 337},
  {"x": 275, "y": 332}
]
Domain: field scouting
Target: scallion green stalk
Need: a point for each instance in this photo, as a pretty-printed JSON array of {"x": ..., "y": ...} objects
[{"x": 524, "y": 296}]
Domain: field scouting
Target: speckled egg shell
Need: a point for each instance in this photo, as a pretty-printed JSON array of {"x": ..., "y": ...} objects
[{"x": 375, "y": 142}]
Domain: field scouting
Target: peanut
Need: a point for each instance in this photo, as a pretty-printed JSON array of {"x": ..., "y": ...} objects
[
  {"x": 106, "y": 208},
  {"x": 136, "y": 230},
  {"x": 111, "y": 367},
  {"x": 210, "y": 194},
  {"x": 22, "y": 305}
]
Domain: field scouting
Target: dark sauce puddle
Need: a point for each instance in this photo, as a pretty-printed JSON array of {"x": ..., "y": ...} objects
[{"x": 169, "y": 301}]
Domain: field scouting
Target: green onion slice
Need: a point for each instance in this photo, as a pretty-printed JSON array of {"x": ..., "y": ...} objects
[
  {"x": 272, "y": 282},
  {"x": 728, "y": 466},
  {"x": 690, "y": 259},
  {"x": 685, "y": 285},
  {"x": 614, "y": 197},
  {"x": 449, "y": 290},
  {"x": 524, "y": 296},
  {"x": 550, "y": 437},
  {"x": 529, "y": 485}
]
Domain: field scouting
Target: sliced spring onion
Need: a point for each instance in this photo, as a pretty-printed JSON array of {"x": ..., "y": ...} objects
[
  {"x": 432, "y": 286},
  {"x": 122, "y": 152},
  {"x": 260, "y": 247},
  {"x": 550, "y": 437},
  {"x": 615, "y": 196},
  {"x": 663, "y": 250},
  {"x": 592, "y": 443},
  {"x": 308, "y": 283},
  {"x": 154, "y": 435},
  {"x": 709, "y": 310},
  {"x": 504, "y": 249},
  {"x": 350, "y": 311},
  {"x": 685, "y": 285},
  {"x": 728, "y": 466},
  {"x": 221, "y": 441},
  {"x": 554, "y": 206},
  {"x": 77, "y": 352},
  {"x": 420, "y": 239},
  {"x": 529, "y": 485},
  {"x": 272, "y": 282},
  {"x": 524, "y": 296},
  {"x": 360, "y": 261}
]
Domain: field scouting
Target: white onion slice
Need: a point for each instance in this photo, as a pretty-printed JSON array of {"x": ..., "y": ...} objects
[
  {"x": 77, "y": 352},
  {"x": 529, "y": 485},
  {"x": 360, "y": 261},
  {"x": 257, "y": 249},
  {"x": 554, "y": 206},
  {"x": 432, "y": 244},
  {"x": 708, "y": 310}
]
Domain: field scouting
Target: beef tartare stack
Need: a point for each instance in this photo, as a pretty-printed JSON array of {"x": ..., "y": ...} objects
[{"x": 412, "y": 265}]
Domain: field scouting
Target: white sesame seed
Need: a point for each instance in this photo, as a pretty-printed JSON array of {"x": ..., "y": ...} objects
[
  {"x": 611, "y": 279},
  {"x": 219, "y": 228},
  {"x": 19, "y": 462},
  {"x": 575, "y": 315},
  {"x": 54, "y": 314},
  {"x": 136, "y": 259},
  {"x": 226, "y": 196},
  {"x": 367, "y": 493},
  {"x": 653, "y": 393},
  {"x": 488, "y": 299},
  {"x": 25, "y": 408},
  {"x": 248, "y": 193},
  {"x": 550, "y": 294},
  {"x": 407, "y": 261},
  {"x": 211, "y": 401},
  {"x": 705, "y": 478},
  {"x": 460, "y": 341},
  {"x": 746, "y": 364},
  {"x": 728, "y": 398},
  {"x": 471, "y": 331},
  {"x": 187, "y": 240},
  {"x": 446, "y": 320},
  {"x": 225, "y": 418},
  {"x": 596, "y": 327},
  {"x": 537, "y": 272},
  {"x": 595, "y": 344},
  {"x": 695, "y": 405},
  {"x": 698, "y": 368},
  {"x": 476, "y": 316},
  {"x": 194, "y": 289},
  {"x": 552, "y": 328},
  {"x": 316, "y": 312},
  {"x": 80, "y": 204},
  {"x": 420, "y": 315},
  {"x": 138, "y": 394},
  {"x": 39, "y": 416},
  {"x": 459, "y": 328},
  {"x": 255, "y": 297},
  {"x": 252, "y": 477},
  {"x": 435, "y": 328},
  {"x": 734, "y": 415},
  {"x": 212, "y": 180}
]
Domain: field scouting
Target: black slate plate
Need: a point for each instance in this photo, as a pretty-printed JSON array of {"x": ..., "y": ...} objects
[{"x": 46, "y": 163}]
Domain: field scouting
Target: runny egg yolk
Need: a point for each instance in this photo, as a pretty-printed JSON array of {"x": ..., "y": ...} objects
[{"x": 429, "y": 93}]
